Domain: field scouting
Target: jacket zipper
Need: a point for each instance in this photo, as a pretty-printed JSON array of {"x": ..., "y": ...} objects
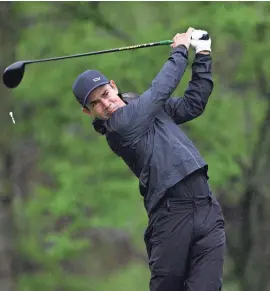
[{"x": 187, "y": 150}]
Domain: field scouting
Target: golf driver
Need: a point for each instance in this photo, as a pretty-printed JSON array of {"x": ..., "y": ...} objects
[{"x": 13, "y": 74}]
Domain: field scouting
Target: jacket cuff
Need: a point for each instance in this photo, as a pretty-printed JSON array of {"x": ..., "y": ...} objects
[
  {"x": 180, "y": 49},
  {"x": 202, "y": 57}
]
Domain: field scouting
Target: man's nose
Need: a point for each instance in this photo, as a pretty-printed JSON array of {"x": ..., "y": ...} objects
[{"x": 105, "y": 103}]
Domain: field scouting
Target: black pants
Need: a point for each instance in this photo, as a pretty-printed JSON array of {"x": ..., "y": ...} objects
[{"x": 185, "y": 239}]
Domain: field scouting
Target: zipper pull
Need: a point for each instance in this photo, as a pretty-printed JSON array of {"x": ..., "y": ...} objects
[{"x": 168, "y": 205}]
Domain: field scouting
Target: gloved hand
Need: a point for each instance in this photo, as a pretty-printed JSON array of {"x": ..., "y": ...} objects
[{"x": 198, "y": 42}]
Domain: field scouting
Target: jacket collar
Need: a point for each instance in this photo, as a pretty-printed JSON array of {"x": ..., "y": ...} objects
[{"x": 99, "y": 126}]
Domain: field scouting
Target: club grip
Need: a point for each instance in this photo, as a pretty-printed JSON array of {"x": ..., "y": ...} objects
[{"x": 165, "y": 42}]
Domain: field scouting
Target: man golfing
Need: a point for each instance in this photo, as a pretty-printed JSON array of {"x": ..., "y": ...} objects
[{"x": 185, "y": 238}]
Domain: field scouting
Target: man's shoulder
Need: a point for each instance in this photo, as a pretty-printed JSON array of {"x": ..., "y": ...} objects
[{"x": 129, "y": 96}]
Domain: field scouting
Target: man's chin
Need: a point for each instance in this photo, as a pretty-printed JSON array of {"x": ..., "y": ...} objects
[{"x": 107, "y": 116}]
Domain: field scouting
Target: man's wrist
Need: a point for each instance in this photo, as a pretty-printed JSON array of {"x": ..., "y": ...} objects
[
  {"x": 182, "y": 45},
  {"x": 180, "y": 49},
  {"x": 204, "y": 52}
]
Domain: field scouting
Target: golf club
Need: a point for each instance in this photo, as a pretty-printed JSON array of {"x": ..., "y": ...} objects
[{"x": 13, "y": 74}]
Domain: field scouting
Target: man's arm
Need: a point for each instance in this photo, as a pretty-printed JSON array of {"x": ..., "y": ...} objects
[
  {"x": 135, "y": 118},
  {"x": 195, "y": 98}
]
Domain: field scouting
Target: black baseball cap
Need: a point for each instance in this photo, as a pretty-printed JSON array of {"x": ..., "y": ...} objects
[{"x": 86, "y": 83}]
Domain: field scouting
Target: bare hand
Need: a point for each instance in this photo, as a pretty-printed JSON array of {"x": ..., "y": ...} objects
[{"x": 183, "y": 38}]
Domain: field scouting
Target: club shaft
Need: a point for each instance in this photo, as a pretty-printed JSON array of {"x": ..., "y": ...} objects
[{"x": 164, "y": 42}]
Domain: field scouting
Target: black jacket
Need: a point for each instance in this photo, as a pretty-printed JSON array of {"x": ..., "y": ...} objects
[{"x": 145, "y": 132}]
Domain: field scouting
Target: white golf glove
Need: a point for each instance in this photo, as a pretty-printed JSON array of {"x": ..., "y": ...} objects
[{"x": 200, "y": 44}]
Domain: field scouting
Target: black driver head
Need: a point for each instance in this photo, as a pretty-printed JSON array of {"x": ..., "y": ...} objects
[{"x": 13, "y": 74}]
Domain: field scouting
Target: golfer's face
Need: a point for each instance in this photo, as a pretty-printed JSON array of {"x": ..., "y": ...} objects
[{"x": 103, "y": 101}]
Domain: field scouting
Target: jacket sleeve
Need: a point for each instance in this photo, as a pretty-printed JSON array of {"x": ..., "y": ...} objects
[
  {"x": 135, "y": 118},
  {"x": 196, "y": 96}
]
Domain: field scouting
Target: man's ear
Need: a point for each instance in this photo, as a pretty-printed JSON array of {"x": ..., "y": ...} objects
[
  {"x": 84, "y": 110},
  {"x": 113, "y": 85}
]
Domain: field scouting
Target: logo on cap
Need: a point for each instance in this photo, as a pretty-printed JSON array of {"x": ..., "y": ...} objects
[{"x": 96, "y": 79}]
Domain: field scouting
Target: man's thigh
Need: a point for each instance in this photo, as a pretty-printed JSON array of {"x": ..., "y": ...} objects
[
  {"x": 168, "y": 243},
  {"x": 207, "y": 253}
]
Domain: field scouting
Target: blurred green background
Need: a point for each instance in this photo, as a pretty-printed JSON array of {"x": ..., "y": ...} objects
[{"x": 71, "y": 216}]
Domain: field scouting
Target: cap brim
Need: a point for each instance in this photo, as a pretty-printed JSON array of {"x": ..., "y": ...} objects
[{"x": 92, "y": 89}]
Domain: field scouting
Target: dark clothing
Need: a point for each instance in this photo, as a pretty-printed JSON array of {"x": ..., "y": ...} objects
[
  {"x": 146, "y": 135},
  {"x": 185, "y": 239}
]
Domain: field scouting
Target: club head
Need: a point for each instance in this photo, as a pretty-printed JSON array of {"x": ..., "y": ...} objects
[{"x": 13, "y": 74}]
